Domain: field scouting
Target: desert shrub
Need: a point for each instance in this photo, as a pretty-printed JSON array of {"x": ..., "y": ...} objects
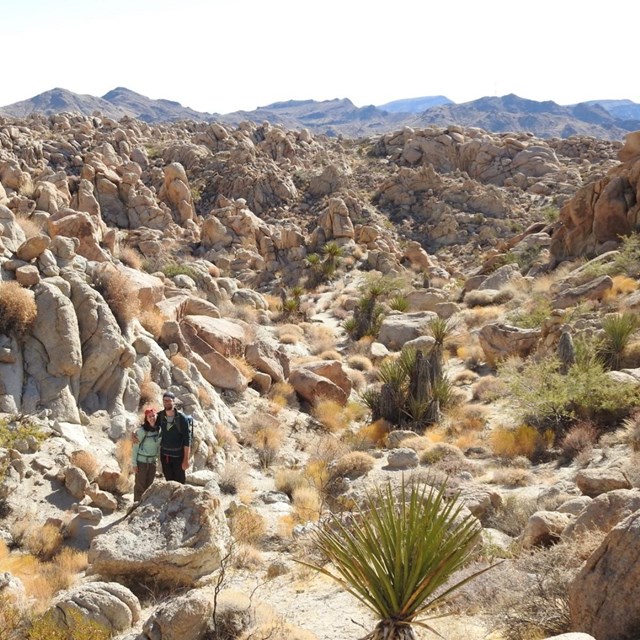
[
  {"x": 352, "y": 465},
  {"x": 511, "y": 477},
  {"x": 321, "y": 338},
  {"x": 289, "y": 333},
  {"x": 123, "y": 456},
  {"x": 618, "y": 329},
  {"x": 512, "y": 514},
  {"x": 246, "y": 556},
  {"x": 631, "y": 426},
  {"x": 468, "y": 417},
  {"x": 580, "y": 437},
  {"x": 73, "y": 624},
  {"x": 398, "y": 303},
  {"x": 524, "y": 440},
  {"x": 172, "y": 269},
  {"x": 307, "y": 504},
  {"x": 437, "y": 452},
  {"x": 131, "y": 257},
  {"x": 533, "y": 313},
  {"x": 283, "y": 395},
  {"x": 627, "y": 260},
  {"x": 267, "y": 442},
  {"x": 44, "y": 542},
  {"x": 246, "y": 525},
  {"x": 288, "y": 480},
  {"x": 369, "y": 313},
  {"x": 529, "y": 598},
  {"x": 120, "y": 295},
  {"x": 332, "y": 415},
  {"x": 371, "y": 435},
  {"x": 153, "y": 321},
  {"x": 11, "y": 619},
  {"x": 86, "y": 461},
  {"x": 233, "y": 477},
  {"x": 360, "y": 363},
  {"x": 486, "y": 298},
  {"x": 547, "y": 398},
  {"x": 20, "y": 429},
  {"x": 226, "y": 438},
  {"x": 18, "y": 308}
]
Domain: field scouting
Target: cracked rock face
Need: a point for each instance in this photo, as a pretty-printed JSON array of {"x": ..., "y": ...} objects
[{"x": 177, "y": 535}]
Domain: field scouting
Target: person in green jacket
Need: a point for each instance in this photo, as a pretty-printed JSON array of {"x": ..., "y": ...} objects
[{"x": 144, "y": 453}]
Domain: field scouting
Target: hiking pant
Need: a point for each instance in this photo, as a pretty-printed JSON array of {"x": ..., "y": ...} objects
[
  {"x": 172, "y": 468},
  {"x": 144, "y": 477}
]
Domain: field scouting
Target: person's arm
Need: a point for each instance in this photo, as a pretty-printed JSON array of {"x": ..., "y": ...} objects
[
  {"x": 134, "y": 452},
  {"x": 186, "y": 439}
]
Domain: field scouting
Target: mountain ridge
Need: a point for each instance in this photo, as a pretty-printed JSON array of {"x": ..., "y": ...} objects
[{"x": 608, "y": 119}]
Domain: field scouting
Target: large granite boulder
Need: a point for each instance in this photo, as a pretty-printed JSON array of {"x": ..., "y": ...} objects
[{"x": 176, "y": 535}]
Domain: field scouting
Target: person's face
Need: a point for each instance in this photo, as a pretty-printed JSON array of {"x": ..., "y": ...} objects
[
  {"x": 168, "y": 403},
  {"x": 151, "y": 418}
]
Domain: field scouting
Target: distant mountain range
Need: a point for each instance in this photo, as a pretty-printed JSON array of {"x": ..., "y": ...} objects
[{"x": 606, "y": 119}]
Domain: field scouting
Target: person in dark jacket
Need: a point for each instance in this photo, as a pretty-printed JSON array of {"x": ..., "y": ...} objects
[{"x": 175, "y": 447}]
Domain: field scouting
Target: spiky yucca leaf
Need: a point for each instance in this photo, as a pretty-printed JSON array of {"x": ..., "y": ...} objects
[{"x": 398, "y": 552}]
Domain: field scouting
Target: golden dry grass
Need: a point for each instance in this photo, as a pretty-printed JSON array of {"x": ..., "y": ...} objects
[
  {"x": 267, "y": 442},
  {"x": 30, "y": 228},
  {"x": 226, "y": 438},
  {"x": 243, "y": 367},
  {"x": 331, "y": 415},
  {"x": 86, "y": 461},
  {"x": 131, "y": 257},
  {"x": 331, "y": 354},
  {"x": 360, "y": 362},
  {"x": 319, "y": 337},
  {"x": 282, "y": 394},
  {"x": 467, "y": 417},
  {"x": 521, "y": 441},
  {"x": 123, "y": 456},
  {"x": 479, "y": 316},
  {"x": 44, "y": 542},
  {"x": 288, "y": 480},
  {"x": 152, "y": 320},
  {"x": 307, "y": 504},
  {"x": 621, "y": 285},
  {"x": 178, "y": 360},
  {"x": 246, "y": 525},
  {"x": 372, "y": 435},
  {"x": 121, "y": 296},
  {"x": 246, "y": 556},
  {"x": 352, "y": 465},
  {"x": 488, "y": 389},
  {"x": 18, "y": 308}
]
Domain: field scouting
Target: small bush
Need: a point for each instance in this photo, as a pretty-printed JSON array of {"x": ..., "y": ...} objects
[
  {"x": 72, "y": 625},
  {"x": 371, "y": 435},
  {"x": 18, "y": 308},
  {"x": 247, "y": 525},
  {"x": 489, "y": 388},
  {"x": 632, "y": 431},
  {"x": 307, "y": 504},
  {"x": 119, "y": 293},
  {"x": 131, "y": 257},
  {"x": 360, "y": 363},
  {"x": 438, "y": 452},
  {"x": 153, "y": 321},
  {"x": 580, "y": 437},
  {"x": 288, "y": 480},
  {"x": 331, "y": 415},
  {"x": 86, "y": 461},
  {"x": 352, "y": 465},
  {"x": 267, "y": 442},
  {"x": 21, "y": 429},
  {"x": 523, "y": 441},
  {"x": 233, "y": 478},
  {"x": 618, "y": 329}
]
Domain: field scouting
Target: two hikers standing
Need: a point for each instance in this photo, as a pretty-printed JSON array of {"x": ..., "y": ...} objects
[{"x": 166, "y": 434}]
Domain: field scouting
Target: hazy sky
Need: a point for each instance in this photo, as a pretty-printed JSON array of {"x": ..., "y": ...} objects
[{"x": 224, "y": 55}]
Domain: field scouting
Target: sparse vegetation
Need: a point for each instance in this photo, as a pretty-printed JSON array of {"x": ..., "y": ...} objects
[{"x": 18, "y": 309}]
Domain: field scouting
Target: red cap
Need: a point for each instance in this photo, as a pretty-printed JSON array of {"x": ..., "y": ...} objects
[{"x": 150, "y": 412}]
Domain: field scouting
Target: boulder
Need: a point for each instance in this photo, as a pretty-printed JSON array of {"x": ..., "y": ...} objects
[
  {"x": 313, "y": 387},
  {"x": 398, "y": 328},
  {"x": 605, "y": 511},
  {"x": 603, "y": 597},
  {"x": 593, "y": 482},
  {"x": 500, "y": 341},
  {"x": 544, "y": 528},
  {"x": 177, "y": 534}
]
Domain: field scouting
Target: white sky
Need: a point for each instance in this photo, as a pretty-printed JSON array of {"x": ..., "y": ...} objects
[{"x": 225, "y": 55}]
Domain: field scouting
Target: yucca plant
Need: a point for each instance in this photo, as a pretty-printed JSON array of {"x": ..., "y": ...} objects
[
  {"x": 618, "y": 330},
  {"x": 397, "y": 553}
]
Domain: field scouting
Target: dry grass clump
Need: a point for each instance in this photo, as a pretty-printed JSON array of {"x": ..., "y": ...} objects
[
  {"x": 480, "y": 316},
  {"x": 527, "y": 597},
  {"x": 281, "y": 395},
  {"x": 464, "y": 377},
  {"x": 630, "y": 356},
  {"x": 352, "y": 465},
  {"x": 439, "y": 452},
  {"x": 468, "y": 417},
  {"x": 488, "y": 389},
  {"x": 233, "y": 478},
  {"x": 371, "y": 436},
  {"x": 204, "y": 397},
  {"x": 43, "y": 542},
  {"x": 334, "y": 417},
  {"x": 288, "y": 480},
  {"x": 631, "y": 426},
  {"x": 86, "y": 461},
  {"x": 579, "y": 438},
  {"x": 121, "y": 296},
  {"x": 511, "y": 477},
  {"x": 226, "y": 438},
  {"x": 357, "y": 378},
  {"x": 277, "y": 630},
  {"x": 522, "y": 441},
  {"x": 18, "y": 308},
  {"x": 289, "y": 333},
  {"x": 320, "y": 338},
  {"x": 244, "y": 312},
  {"x": 42, "y": 579},
  {"x": 152, "y": 320},
  {"x": 621, "y": 286},
  {"x": 307, "y": 504},
  {"x": 266, "y": 441},
  {"x": 360, "y": 363},
  {"x": 247, "y": 525},
  {"x": 246, "y": 556},
  {"x": 30, "y": 227},
  {"x": 417, "y": 443},
  {"x": 512, "y": 515},
  {"x": 131, "y": 257},
  {"x": 471, "y": 354},
  {"x": 243, "y": 367},
  {"x": 150, "y": 392},
  {"x": 123, "y": 456},
  {"x": 179, "y": 361},
  {"x": 330, "y": 354}
]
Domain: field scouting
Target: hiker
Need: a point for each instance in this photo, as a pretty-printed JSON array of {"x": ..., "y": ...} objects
[
  {"x": 175, "y": 445},
  {"x": 144, "y": 453}
]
